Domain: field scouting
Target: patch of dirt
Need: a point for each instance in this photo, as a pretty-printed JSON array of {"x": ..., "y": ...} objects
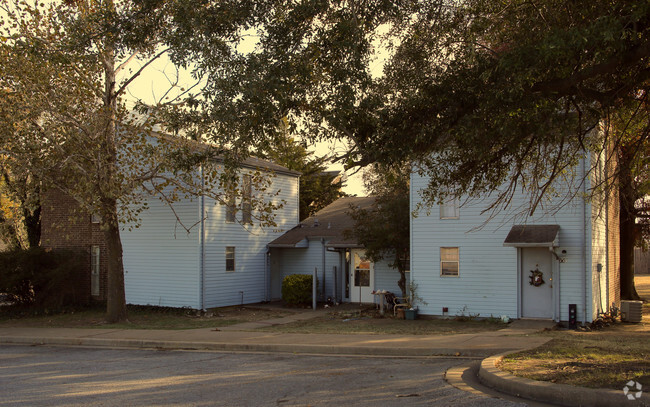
[{"x": 245, "y": 313}]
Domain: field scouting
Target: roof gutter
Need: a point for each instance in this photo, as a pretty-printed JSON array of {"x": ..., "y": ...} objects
[{"x": 584, "y": 241}]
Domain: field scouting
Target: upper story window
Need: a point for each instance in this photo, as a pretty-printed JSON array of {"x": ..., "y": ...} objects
[
  {"x": 450, "y": 208},
  {"x": 246, "y": 203},
  {"x": 230, "y": 208}
]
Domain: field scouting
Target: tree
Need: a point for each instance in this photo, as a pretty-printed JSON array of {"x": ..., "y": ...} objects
[
  {"x": 384, "y": 228},
  {"x": 487, "y": 97},
  {"x": 21, "y": 219},
  {"x": 64, "y": 72},
  {"x": 318, "y": 188},
  {"x": 632, "y": 122}
]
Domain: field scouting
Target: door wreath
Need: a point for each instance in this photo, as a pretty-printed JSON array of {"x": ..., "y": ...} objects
[{"x": 536, "y": 277}]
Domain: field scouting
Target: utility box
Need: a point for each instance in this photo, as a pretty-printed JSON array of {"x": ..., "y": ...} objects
[
  {"x": 631, "y": 311},
  {"x": 573, "y": 316}
]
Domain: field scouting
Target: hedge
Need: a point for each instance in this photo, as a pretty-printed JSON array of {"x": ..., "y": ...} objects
[
  {"x": 297, "y": 289},
  {"x": 42, "y": 277}
]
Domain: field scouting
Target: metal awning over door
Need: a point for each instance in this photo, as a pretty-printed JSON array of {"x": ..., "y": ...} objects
[{"x": 533, "y": 236}]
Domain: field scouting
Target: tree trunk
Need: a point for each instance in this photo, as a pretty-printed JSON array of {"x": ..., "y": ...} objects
[
  {"x": 33, "y": 226},
  {"x": 627, "y": 218},
  {"x": 402, "y": 276},
  {"x": 115, "y": 297},
  {"x": 108, "y": 189}
]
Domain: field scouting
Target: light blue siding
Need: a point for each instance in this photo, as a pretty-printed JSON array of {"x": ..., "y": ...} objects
[
  {"x": 488, "y": 281},
  {"x": 386, "y": 278},
  {"x": 250, "y": 279},
  {"x": 303, "y": 261},
  {"x": 161, "y": 260},
  {"x": 289, "y": 261}
]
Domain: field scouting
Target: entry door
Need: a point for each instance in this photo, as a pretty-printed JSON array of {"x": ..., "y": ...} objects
[
  {"x": 362, "y": 277},
  {"x": 536, "y": 283}
]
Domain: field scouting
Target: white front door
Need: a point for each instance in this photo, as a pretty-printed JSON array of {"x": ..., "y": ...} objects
[
  {"x": 362, "y": 277},
  {"x": 536, "y": 283}
]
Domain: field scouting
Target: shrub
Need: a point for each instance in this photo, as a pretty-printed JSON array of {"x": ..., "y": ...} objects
[
  {"x": 297, "y": 289},
  {"x": 43, "y": 278}
]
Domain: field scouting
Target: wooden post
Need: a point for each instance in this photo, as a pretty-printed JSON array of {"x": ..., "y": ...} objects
[{"x": 314, "y": 282}]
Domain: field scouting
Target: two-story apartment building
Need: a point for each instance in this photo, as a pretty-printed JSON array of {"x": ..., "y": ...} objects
[
  {"x": 518, "y": 266},
  {"x": 221, "y": 261}
]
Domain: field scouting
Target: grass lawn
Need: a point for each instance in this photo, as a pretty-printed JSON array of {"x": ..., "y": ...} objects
[
  {"x": 350, "y": 319},
  {"x": 601, "y": 359},
  {"x": 140, "y": 317}
]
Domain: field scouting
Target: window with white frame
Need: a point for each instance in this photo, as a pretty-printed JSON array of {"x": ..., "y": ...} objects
[
  {"x": 449, "y": 261},
  {"x": 246, "y": 203},
  {"x": 450, "y": 208},
  {"x": 230, "y": 258},
  {"x": 230, "y": 208},
  {"x": 94, "y": 270}
]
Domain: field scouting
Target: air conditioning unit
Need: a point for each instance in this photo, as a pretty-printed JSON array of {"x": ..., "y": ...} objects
[{"x": 631, "y": 311}]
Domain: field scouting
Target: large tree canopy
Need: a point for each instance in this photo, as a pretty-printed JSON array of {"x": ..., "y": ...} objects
[
  {"x": 480, "y": 93},
  {"x": 485, "y": 96},
  {"x": 65, "y": 69},
  {"x": 318, "y": 187}
]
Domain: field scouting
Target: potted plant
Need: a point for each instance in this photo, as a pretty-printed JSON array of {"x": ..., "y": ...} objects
[{"x": 412, "y": 301}]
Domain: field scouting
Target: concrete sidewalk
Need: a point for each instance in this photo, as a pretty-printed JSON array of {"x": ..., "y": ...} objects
[{"x": 238, "y": 337}]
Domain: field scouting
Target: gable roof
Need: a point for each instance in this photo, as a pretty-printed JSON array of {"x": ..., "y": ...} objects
[
  {"x": 251, "y": 162},
  {"x": 330, "y": 223}
]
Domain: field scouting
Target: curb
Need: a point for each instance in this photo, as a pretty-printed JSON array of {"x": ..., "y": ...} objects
[
  {"x": 560, "y": 394},
  {"x": 248, "y": 347}
]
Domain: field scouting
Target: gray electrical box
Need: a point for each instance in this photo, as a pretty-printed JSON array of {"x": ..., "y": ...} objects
[{"x": 631, "y": 311}]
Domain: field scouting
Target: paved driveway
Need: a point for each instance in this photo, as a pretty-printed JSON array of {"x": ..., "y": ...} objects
[{"x": 58, "y": 376}]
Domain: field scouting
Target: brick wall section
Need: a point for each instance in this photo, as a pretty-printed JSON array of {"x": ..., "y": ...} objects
[{"x": 65, "y": 226}]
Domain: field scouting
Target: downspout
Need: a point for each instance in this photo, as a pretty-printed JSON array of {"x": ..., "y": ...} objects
[
  {"x": 556, "y": 285},
  {"x": 606, "y": 194},
  {"x": 584, "y": 241},
  {"x": 322, "y": 241},
  {"x": 202, "y": 240},
  {"x": 267, "y": 274}
]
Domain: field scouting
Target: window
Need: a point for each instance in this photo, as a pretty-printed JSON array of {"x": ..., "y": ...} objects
[
  {"x": 246, "y": 204},
  {"x": 450, "y": 208},
  {"x": 94, "y": 270},
  {"x": 94, "y": 218},
  {"x": 230, "y": 258},
  {"x": 230, "y": 208},
  {"x": 449, "y": 261}
]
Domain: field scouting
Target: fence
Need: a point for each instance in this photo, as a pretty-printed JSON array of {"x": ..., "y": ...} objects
[{"x": 641, "y": 261}]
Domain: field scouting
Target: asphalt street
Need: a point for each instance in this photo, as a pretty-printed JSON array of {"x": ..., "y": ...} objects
[{"x": 60, "y": 376}]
